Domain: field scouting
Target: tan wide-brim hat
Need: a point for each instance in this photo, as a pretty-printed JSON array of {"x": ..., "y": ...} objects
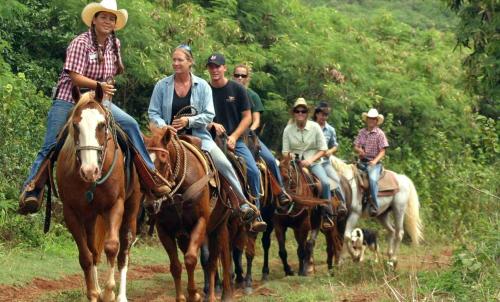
[
  {"x": 300, "y": 102},
  {"x": 105, "y": 6},
  {"x": 373, "y": 113}
]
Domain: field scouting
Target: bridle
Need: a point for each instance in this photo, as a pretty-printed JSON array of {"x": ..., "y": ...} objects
[{"x": 109, "y": 127}]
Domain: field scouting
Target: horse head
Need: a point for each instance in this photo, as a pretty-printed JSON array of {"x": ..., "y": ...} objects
[
  {"x": 88, "y": 131},
  {"x": 158, "y": 146}
]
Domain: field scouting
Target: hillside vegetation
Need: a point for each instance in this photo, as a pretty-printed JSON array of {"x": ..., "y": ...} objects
[{"x": 397, "y": 56}]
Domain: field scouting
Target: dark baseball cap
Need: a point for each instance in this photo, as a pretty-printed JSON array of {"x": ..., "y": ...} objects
[{"x": 217, "y": 59}]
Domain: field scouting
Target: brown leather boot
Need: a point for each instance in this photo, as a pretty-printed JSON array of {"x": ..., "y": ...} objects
[
  {"x": 30, "y": 201},
  {"x": 258, "y": 225},
  {"x": 152, "y": 180}
]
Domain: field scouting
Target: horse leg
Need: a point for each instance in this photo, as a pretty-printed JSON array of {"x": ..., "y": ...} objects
[
  {"x": 227, "y": 293},
  {"x": 250, "y": 254},
  {"x": 280, "y": 233},
  {"x": 191, "y": 257},
  {"x": 330, "y": 249},
  {"x": 85, "y": 255},
  {"x": 238, "y": 266},
  {"x": 128, "y": 233},
  {"x": 266, "y": 244},
  {"x": 113, "y": 221},
  {"x": 385, "y": 220},
  {"x": 204, "y": 256},
  {"x": 399, "y": 232},
  {"x": 310, "y": 247},
  {"x": 212, "y": 253},
  {"x": 302, "y": 250},
  {"x": 175, "y": 265}
]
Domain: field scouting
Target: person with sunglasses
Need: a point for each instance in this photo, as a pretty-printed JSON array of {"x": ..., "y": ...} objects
[
  {"x": 305, "y": 139},
  {"x": 173, "y": 93},
  {"x": 241, "y": 74},
  {"x": 233, "y": 118},
  {"x": 320, "y": 116}
]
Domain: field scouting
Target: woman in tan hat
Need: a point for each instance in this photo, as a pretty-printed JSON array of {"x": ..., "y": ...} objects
[
  {"x": 370, "y": 145},
  {"x": 305, "y": 139},
  {"x": 92, "y": 58}
]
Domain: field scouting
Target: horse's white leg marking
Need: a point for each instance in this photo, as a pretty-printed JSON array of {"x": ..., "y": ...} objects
[
  {"x": 109, "y": 295},
  {"x": 122, "y": 296},
  {"x": 95, "y": 279},
  {"x": 385, "y": 220}
]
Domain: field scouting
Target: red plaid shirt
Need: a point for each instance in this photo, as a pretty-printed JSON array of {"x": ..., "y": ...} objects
[
  {"x": 81, "y": 57},
  {"x": 371, "y": 141}
]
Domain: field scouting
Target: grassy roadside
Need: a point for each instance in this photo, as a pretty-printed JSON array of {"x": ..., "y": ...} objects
[{"x": 368, "y": 281}]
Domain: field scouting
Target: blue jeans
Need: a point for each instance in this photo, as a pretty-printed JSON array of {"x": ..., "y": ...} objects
[
  {"x": 253, "y": 173},
  {"x": 131, "y": 127},
  {"x": 323, "y": 172},
  {"x": 57, "y": 117},
  {"x": 373, "y": 176},
  {"x": 268, "y": 157},
  {"x": 224, "y": 166}
]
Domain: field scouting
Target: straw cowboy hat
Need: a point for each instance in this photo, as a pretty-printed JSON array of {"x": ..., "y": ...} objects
[
  {"x": 300, "y": 102},
  {"x": 373, "y": 113},
  {"x": 105, "y": 6}
]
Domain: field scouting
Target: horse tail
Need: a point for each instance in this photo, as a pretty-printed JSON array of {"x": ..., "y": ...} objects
[
  {"x": 413, "y": 223},
  {"x": 99, "y": 236}
]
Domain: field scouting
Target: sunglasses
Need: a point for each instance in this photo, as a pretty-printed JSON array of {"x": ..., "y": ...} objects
[
  {"x": 239, "y": 75},
  {"x": 186, "y": 47},
  {"x": 300, "y": 111}
]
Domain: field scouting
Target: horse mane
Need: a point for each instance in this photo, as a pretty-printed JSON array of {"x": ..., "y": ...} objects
[
  {"x": 69, "y": 146},
  {"x": 339, "y": 164}
]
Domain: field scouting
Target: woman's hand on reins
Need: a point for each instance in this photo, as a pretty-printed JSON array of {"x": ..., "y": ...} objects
[
  {"x": 180, "y": 123},
  {"x": 108, "y": 89}
]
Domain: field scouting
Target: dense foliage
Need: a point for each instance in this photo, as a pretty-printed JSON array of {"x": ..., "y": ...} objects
[
  {"x": 398, "y": 56},
  {"x": 478, "y": 30}
]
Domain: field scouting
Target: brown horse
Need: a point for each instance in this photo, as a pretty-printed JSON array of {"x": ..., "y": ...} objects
[
  {"x": 99, "y": 210},
  {"x": 185, "y": 217}
]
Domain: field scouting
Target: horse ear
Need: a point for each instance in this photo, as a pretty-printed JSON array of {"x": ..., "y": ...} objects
[
  {"x": 99, "y": 94},
  {"x": 167, "y": 136},
  {"x": 75, "y": 93}
]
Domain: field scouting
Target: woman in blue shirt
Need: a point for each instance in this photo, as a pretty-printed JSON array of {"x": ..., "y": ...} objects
[
  {"x": 182, "y": 89},
  {"x": 320, "y": 116}
]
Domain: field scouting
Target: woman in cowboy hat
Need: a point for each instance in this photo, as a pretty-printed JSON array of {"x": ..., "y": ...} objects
[
  {"x": 370, "y": 145},
  {"x": 321, "y": 113},
  {"x": 92, "y": 58},
  {"x": 305, "y": 139}
]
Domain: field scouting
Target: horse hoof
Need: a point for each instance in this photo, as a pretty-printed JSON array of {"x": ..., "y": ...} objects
[
  {"x": 248, "y": 290},
  {"x": 107, "y": 296},
  {"x": 290, "y": 273},
  {"x": 195, "y": 298},
  {"x": 180, "y": 298},
  {"x": 310, "y": 270},
  {"x": 121, "y": 299},
  {"x": 265, "y": 277}
]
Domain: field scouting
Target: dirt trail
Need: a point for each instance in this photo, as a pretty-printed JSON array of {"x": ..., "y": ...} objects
[{"x": 40, "y": 287}]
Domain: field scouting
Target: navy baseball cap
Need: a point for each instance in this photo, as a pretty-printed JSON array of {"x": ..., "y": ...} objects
[{"x": 217, "y": 59}]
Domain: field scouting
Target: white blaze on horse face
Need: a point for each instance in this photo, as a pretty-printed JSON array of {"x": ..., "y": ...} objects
[
  {"x": 153, "y": 156},
  {"x": 89, "y": 158}
]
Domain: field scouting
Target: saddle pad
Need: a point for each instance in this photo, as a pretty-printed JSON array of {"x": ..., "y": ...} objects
[
  {"x": 388, "y": 182},
  {"x": 203, "y": 159}
]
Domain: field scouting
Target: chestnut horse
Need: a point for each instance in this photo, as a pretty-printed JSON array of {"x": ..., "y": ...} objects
[
  {"x": 298, "y": 217},
  {"x": 185, "y": 217},
  {"x": 99, "y": 210}
]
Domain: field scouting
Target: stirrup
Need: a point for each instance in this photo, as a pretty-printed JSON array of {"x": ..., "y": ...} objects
[{"x": 327, "y": 223}]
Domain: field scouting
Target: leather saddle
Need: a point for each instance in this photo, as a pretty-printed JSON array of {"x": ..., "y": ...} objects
[{"x": 387, "y": 183}]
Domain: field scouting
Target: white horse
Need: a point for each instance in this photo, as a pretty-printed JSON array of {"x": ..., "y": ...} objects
[{"x": 403, "y": 203}]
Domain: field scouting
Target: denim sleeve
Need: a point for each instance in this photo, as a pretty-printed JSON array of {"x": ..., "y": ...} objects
[
  {"x": 155, "y": 107},
  {"x": 206, "y": 111},
  {"x": 333, "y": 140}
]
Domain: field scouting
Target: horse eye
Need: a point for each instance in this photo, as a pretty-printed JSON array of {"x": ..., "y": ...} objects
[{"x": 100, "y": 126}]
